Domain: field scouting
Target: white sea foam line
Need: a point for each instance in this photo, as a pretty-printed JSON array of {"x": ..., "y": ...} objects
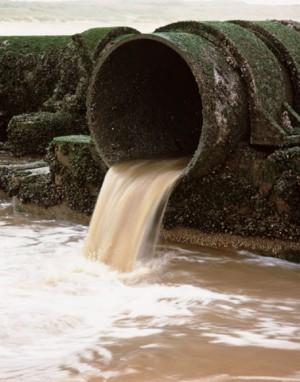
[
  {"x": 266, "y": 261},
  {"x": 228, "y": 378},
  {"x": 251, "y": 338},
  {"x": 264, "y": 378}
]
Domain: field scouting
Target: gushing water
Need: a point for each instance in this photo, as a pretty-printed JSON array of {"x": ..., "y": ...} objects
[{"x": 126, "y": 221}]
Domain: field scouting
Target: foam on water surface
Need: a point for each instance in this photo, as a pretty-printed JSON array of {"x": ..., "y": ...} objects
[{"x": 181, "y": 316}]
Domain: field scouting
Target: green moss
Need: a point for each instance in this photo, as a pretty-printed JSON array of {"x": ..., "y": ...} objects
[
  {"x": 74, "y": 139},
  {"x": 93, "y": 36},
  {"x": 33, "y": 44},
  {"x": 42, "y": 44},
  {"x": 31, "y": 133},
  {"x": 284, "y": 42},
  {"x": 48, "y": 73},
  {"x": 265, "y": 70},
  {"x": 260, "y": 70}
]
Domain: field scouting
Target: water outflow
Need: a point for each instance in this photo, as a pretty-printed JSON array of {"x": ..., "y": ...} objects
[{"x": 127, "y": 217}]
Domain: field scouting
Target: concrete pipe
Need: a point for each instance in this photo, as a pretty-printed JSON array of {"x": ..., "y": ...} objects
[
  {"x": 284, "y": 42},
  {"x": 196, "y": 89},
  {"x": 266, "y": 81},
  {"x": 166, "y": 95}
]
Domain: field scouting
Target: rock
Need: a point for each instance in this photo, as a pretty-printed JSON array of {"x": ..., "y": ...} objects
[
  {"x": 30, "y": 134},
  {"x": 73, "y": 177},
  {"x": 14, "y": 175},
  {"x": 77, "y": 169},
  {"x": 39, "y": 189}
]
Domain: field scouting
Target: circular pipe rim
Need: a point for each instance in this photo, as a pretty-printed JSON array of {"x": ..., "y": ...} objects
[{"x": 123, "y": 40}]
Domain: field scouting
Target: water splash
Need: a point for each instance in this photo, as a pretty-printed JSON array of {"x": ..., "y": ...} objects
[{"x": 127, "y": 217}]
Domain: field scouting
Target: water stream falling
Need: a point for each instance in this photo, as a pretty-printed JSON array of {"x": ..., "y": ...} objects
[{"x": 126, "y": 221}]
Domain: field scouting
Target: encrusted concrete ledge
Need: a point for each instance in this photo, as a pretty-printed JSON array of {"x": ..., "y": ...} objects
[
  {"x": 276, "y": 248},
  {"x": 49, "y": 74},
  {"x": 76, "y": 170},
  {"x": 30, "y": 134},
  {"x": 16, "y": 173},
  {"x": 255, "y": 194},
  {"x": 71, "y": 175}
]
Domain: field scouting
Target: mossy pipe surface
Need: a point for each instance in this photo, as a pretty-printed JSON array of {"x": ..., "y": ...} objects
[
  {"x": 93, "y": 39},
  {"x": 261, "y": 71},
  {"x": 290, "y": 23},
  {"x": 284, "y": 42},
  {"x": 38, "y": 72},
  {"x": 166, "y": 95}
]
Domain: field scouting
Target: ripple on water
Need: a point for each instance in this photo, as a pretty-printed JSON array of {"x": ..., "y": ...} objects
[{"x": 184, "y": 315}]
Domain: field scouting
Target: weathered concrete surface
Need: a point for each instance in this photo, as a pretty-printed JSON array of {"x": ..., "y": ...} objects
[
  {"x": 77, "y": 171},
  {"x": 30, "y": 134},
  {"x": 285, "y": 44},
  {"x": 258, "y": 245},
  {"x": 252, "y": 202},
  {"x": 43, "y": 85},
  {"x": 253, "y": 194},
  {"x": 49, "y": 73},
  {"x": 267, "y": 85},
  {"x": 71, "y": 176},
  {"x": 28, "y": 179},
  {"x": 138, "y": 108}
]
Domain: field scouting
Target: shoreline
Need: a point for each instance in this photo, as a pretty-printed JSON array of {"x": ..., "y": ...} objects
[
  {"x": 262, "y": 246},
  {"x": 286, "y": 250}
]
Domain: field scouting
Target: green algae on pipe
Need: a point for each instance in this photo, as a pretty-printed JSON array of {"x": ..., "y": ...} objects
[
  {"x": 48, "y": 73},
  {"x": 285, "y": 44},
  {"x": 166, "y": 95},
  {"x": 262, "y": 74},
  {"x": 291, "y": 24}
]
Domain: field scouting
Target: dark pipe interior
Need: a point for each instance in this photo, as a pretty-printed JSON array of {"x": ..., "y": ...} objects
[{"x": 148, "y": 103}]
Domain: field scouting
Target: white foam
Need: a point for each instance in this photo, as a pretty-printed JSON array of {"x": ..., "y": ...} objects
[{"x": 59, "y": 309}]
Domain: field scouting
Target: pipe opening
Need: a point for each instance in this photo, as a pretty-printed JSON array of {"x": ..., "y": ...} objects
[{"x": 146, "y": 103}]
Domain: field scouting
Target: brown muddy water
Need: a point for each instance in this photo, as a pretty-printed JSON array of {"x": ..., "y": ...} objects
[
  {"x": 127, "y": 217},
  {"x": 188, "y": 314}
]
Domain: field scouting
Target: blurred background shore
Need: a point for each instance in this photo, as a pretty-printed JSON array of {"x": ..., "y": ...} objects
[{"x": 72, "y": 16}]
